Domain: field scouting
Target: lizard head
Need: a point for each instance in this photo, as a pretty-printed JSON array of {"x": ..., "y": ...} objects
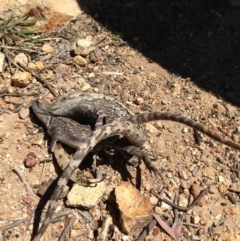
[{"x": 42, "y": 110}]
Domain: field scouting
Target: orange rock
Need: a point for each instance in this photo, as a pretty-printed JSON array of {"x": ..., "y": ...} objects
[
  {"x": 21, "y": 79},
  {"x": 135, "y": 209}
]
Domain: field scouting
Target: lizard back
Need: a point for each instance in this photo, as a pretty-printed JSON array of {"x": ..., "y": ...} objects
[{"x": 93, "y": 106}]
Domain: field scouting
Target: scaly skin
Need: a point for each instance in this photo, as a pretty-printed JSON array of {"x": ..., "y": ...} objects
[
  {"x": 98, "y": 109},
  {"x": 71, "y": 133},
  {"x": 132, "y": 131},
  {"x": 153, "y": 116},
  {"x": 129, "y": 130}
]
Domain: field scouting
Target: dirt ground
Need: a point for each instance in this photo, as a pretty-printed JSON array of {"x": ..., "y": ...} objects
[{"x": 179, "y": 57}]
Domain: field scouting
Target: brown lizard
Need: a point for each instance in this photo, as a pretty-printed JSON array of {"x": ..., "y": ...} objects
[
  {"x": 100, "y": 109},
  {"x": 71, "y": 133},
  {"x": 131, "y": 131}
]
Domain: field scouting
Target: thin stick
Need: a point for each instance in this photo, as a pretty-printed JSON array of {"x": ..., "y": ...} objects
[
  {"x": 146, "y": 230},
  {"x": 4, "y": 236},
  {"x": 39, "y": 79},
  {"x": 20, "y": 49},
  {"x": 18, "y": 95},
  {"x": 85, "y": 214},
  {"x": 67, "y": 228},
  {"x": 24, "y": 182},
  {"x": 30, "y": 219}
]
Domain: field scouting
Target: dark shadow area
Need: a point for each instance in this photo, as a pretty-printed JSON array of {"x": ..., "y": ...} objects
[{"x": 198, "y": 39}]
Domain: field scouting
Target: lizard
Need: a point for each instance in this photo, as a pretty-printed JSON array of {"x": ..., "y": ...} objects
[
  {"x": 71, "y": 133},
  {"x": 102, "y": 109},
  {"x": 130, "y": 130}
]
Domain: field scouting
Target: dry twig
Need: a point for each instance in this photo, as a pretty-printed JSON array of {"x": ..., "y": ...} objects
[
  {"x": 67, "y": 228},
  {"x": 42, "y": 81},
  {"x": 25, "y": 183}
]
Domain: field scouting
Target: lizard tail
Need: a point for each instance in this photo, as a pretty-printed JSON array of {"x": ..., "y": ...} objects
[{"x": 153, "y": 116}]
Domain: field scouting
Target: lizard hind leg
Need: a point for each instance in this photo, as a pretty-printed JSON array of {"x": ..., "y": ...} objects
[{"x": 146, "y": 159}]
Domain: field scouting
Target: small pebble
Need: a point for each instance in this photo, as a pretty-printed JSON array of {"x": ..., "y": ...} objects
[
  {"x": 185, "y": 130},
  {"x": 24, "y": 113},
  {"x": 155, "y": 231},
  {"x": 21, "y": 79},
  {"x": 139, "y": 101},
  {"x": 91, "y": 75},
  {"x": 47, "y": 48},
  {"x": 195, "y": 219},
  {"x": 221, "y": 179},
  {"x": 90, "y": 234},
  {"x": 2, "y": 62},
  {"x": 32, "y": 66},
  {"x": 183, "y": 201},
  {"x": 158, "y": 210},
  {"x": 30, "y": 161},
  {"x": 195, "y": 171},
  {"x": 80, "y": 61},
  {"x": 64, "y": 69},
  {"x": 195, "y": 237},
  {"x": 222, "y": 188},
  {"x": 21, "y": 58},
  {"x": 152, "y": 75},
  {"x": 39, "y": 65},
  {"x": 153, "y": 200},
  {"x": 125, "y": 238}
]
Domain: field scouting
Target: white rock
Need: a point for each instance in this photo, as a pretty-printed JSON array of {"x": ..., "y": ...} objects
[
  {"x": 125, "y": 238},
  {"x": 87, "y": 197},
  {"x": 221, "y": 179},
  {"x": 21, "y": 58},
  {"x": 185, "y": 130},
  {"x": 2, "y": 61},
  {"x": 24, "y": 113},
  {"x": 153, "y": 200},
  {"x": 91, "y": 75},
  {"x": 47, "y": 48},
  {"x": 165, "y": 206},
  {"x": 183, "y": 201},
  {"x": 83, "y": 43}
]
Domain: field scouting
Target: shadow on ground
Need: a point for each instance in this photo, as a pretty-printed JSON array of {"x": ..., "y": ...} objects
[{"x": 198, "y": 39}]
